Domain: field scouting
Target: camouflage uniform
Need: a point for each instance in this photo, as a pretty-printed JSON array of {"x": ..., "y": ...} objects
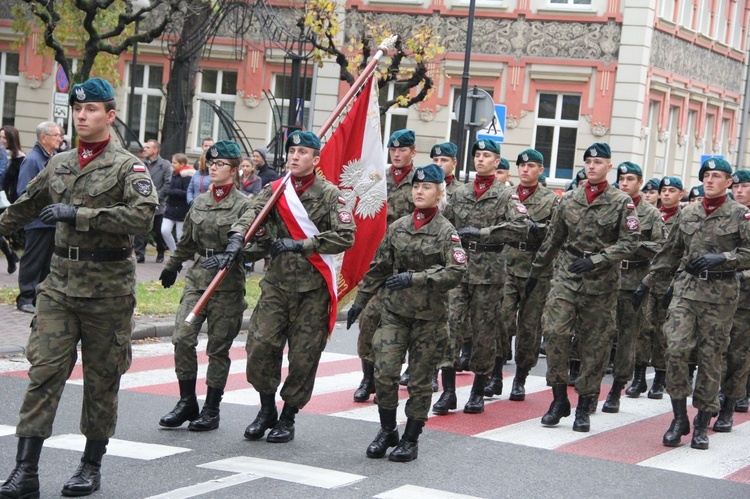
[
  {"x": 451, "y": 188},
  {"x": 294, "y": 301},
  {"x": 413, "y": 319},
  {"x": 737, "y": 365},
  {"x": 701, "y": 311},
  {"x": 89, "y": 295},
  {"x": 205, "y": 232}
]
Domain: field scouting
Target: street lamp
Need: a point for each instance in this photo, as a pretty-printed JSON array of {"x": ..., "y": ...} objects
[{"x": 137, "y": 6}]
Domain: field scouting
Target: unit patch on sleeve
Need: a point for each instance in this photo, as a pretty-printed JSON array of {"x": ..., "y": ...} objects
[
  {"x": 632, "y": 223},
  {"x": 143, "y": 186}
]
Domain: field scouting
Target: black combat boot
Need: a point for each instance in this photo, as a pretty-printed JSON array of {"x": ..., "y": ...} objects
[
  {"x": 700, "y": 430},
  {"x": 266, "y": 418},
  {"x": 559, "y": 408},
  {"x": 518, "y": 392},
  {"x": 186, "y": 408},
  {"x": 87, "y": 479},
  {"x": 582, "y": 422},
  {"x": 24, "y": 479},
  {"x": 612, "y": 404},
  {"x": 283, "y": 430},
  {"x": 367, "y": 385},
  {"x": 10, "y": 255},
  {"x": 387, "y": 435},
  {"x": 658, "y": 386},
  {"x": 638, "y": 385},
  {"x": 447, "y": 400},
  {"x": 435, "y": 386},
  {"x": 475, "y": 405},
  {"x": 593, "y": 401},
  {"x": 465, "y": 357},
  {"x": 495, "y": 386},
  {"x": 407, "y": 448},
  {"x": 680, "y": 425},
  {"x": 209, "y": 418},
  {"x": 743, "y": 404},
  {"x": 574, "y": 371},
  {"x": 724, "y": 423},
  {"x": 404, "y": 379}
]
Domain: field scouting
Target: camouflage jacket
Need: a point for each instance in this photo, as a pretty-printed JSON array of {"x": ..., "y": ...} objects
[
  {"x": 293, "y": 271},
  {"x": 651, "y": 241},
  {"x": 499, "y": 218},
  {"x": 399, "y": 195},
  {"x": 206, "y": 226},
  {"x": 744, "y": 302},
  {"x": 608, "y": 228},
  {"x": 660, "y": 286},
  {"x": 450, "y": 189},
  {"x": 726, "y": 231},
  {"x": 540, "y": 205},
  {"x": 434, "y": 255},
  {"x": 116, "y": 200}
]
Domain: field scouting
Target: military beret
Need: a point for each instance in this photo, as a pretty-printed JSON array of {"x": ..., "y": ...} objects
[
  {"x": 598, "y": 150},
  {"x": 616, "y": 185},
  {"x": 651, "y": 185},
  {"x": 572, "y": 185},
  {"x": 696, "y": 192},
  {"x": 429, "y": 173},
  {"x": 503, "y": 164},
  {"x": 581, "y": 175},
  {"x": 740, "y": 177},
  {"x": 530, "y": 155},
  {"x": 445, "y": 149},
  {"x": 485, "y": 145},
  {"x": 629, "y": 167},
  {"x": 402, "y": 138},
  {"x": 223, "y": 149},
  {"x": 302, "y": 139},
  {"x": 671, "y": 182},
  {"x": 542, "y": 178},
  {"x": 91, "y": 90},
  {"x": 717, "y": 164}
]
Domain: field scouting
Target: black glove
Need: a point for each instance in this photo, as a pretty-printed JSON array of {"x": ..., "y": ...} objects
[
  {"x": 226, "y": 259},
  {"x": 533, "y": 227},
  {"x": 58, "y": 212},
  {"x": 401, "y": 280},
  {"x": 667, "y": 298},
  {"x": 581, "y": 265},
  {"x": 707, "y": 262},
  {"x": 352, "y": 315},
  {"x": 740, "y": 277},
  {"x": 168, "y": 277},
  {"x": 469, "y": 231},
  {"x": 529, "y": 286},
  {"x": 640, "y": 292},
  {"x": 285, "y": 244}
]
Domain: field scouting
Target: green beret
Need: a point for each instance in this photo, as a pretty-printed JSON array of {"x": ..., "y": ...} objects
[
  {"x": 671, "y": 182},
  {"x": 581, "y": 175},
  {"x": 542, "y": 178},
  {"x": 696, "y": 192},
  {"x": 302, "y": 139},
  {"x": 718, "y": 164},
  {"x": 429, "y": 173},
  {"x": 91, "y": 90},
  {"x": 503, "y": 165},
  {"x": 740, "y": 177},
  {"x": 572, "y": 185},
  {"x": 651, "y": 185},
  {"x": 445, "y": 149},
  {"x": 530, "y": 156},
  {"x": 616, "y": 185},
  {"x": 402, "y": 138},
  {"x": 485, "y": 145},
  {"x": 629, "y": 167},
  {"x": 598, "y": 150},
  {"x": 223, "y": 149}
]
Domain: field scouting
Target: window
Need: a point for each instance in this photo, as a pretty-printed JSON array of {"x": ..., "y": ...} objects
[
  {"x": 570, "y": 3},
  {"x": 455, "y": 129},
  {"x": 557, "y": 131},
  {"x": 666, "y": 9},
  {"x": 220, "y": 87},
  {"x": 395, "y": 118},
  {"x": 8, "y": 86},
  {"x": 146, "y": 101},
  {"x": 282, "y": 92},
  {"x": 686, "y": 14}
]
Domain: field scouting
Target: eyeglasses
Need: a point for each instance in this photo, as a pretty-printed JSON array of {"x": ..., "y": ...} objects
[
  {"x": 58, "y": 135},
  {"x": 218, "y": 164}
]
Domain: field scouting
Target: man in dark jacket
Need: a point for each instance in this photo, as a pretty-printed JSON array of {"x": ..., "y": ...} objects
[{"x": 161, "y": 174}]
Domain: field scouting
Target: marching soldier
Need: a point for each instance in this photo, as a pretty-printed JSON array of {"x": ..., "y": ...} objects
[
  {"x": 696, "y": 194},
  {"x": 650, "y": 192},
  {"x": 444, "y": 155}
]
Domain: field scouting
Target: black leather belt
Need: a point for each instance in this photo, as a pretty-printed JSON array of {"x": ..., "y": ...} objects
[
  {"x": 208, "y": 252},
  {"x": 524, "y": 246},
  {"x": 77, "y": 254},
  {"x": 708, "y": 275},
  {"x": 634, "y": 264},
  {"x": 476, "y": 247},
  {"x": 578, "y": 253}
]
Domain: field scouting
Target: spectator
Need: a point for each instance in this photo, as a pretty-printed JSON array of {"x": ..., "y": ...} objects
[
  {"x": 161, "y": 175},
  {"x": 200, "y": 182},
  {"x": 205, "y": 144},
  {"x": 265, "y": 172},
  {"x": 12, "y": 143},
  {"x": 177, "y": 205},
  {"x": 250, "y": 183},
  {"x": 3, "y": 162},
  {"x": 40, "y": 237}
]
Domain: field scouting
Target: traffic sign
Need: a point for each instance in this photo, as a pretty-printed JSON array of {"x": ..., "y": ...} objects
[
  {"x": 496, "y": 129},
  {"x": 481, "y": 105},
  {"x": 61, "y": 80},
  {"x": 60, "y": 111}
]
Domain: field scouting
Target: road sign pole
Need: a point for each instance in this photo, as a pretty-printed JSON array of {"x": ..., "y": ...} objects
[{"x": 461, "y": 142}]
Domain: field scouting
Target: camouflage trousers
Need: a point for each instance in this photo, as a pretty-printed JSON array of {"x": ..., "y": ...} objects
[
  {"x": 526, "y": 314},
  {"x": 425, "y": 341},
  {"x": 287, "y": 317},
  {"x": 592, "y": 319},
  {"x": 450, "y": 356},
  {"x": 704, "y": 327},
  {"x": 737, "y": 362},
  {"x": 651, "y": 345},
  {"x": 369, "y": 320},
  {"x": 628, "y": 325},
  {"x": 224, "y": 315},
  {"x": 103, "y": 327}
]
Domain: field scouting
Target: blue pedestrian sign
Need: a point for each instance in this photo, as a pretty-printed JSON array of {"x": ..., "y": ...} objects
[
  {"x": 496, "y": 129},
  {"x": 705, "y": 157}
]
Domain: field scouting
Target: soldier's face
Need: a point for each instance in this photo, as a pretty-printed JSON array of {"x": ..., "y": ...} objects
[
  {"x": 597, "y": 169},
  {"x": 425, "y": 194},
  {"x": 447, "y": 163},
  {"x": 670, "y": 196},
  {"x": 301, "y": 160},
  {"x": 529, "y": 173},
  {"x": 92, "y": 121},
  {"x": 485, "y": 162},
  {"x": 651, "y": 196},
  {"x": 696, "y": 199},
  {"x": 630, "y": 184},
  {"x": 502, "y": 176},
  {"x": 715, "y": 183},
  {"x": 741, "y": 193},
  {"x": 401, "y": 156}
]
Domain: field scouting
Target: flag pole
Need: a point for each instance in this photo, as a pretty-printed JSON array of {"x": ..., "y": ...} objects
[{"x": 383, "y": 48}]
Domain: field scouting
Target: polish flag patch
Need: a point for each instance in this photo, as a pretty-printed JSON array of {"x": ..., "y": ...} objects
[
  {"x": 631, "y": 206},
  {"x": 515, "y": 197},
  {"x": 455, "y": 238},
  {"x": 747, "y": 216},
  {"x": 139, "y": 167}
]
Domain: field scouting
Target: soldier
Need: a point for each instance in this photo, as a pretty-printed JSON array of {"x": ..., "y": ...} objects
[
  {"x": 650, "y": 192},
  {"x": 696, "y": 194},
  {"x": 205, "y": 233},
  {"x": 517, "y": 308},
  {"x": 99, "y": 195},
  {"x": 632, "y": 271},
  {"x": 708, "y": 243},
  {"x": 444, "y": 155},
  {"x": 418, "y": 261},
  {"x": 295, "y": 302},
  {"x": 502, "y": 172},
  {"x": 398, "y": 178},
  {"x": 596, "y": 227}
]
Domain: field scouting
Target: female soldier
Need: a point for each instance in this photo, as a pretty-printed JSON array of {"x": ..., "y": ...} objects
[
  {"x": 205, "y": 233},
  {"x": 425, "y": 253}
]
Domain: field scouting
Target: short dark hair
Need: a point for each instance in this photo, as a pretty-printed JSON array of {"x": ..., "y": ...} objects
[{"x": 110, "y": 105}]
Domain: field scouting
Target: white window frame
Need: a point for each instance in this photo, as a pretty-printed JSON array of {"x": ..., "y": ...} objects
[
  {"x": 393, "y": 111},
  {"x": 570, "y": 5},
  {"x": 667, "y": 13},
  {"x": 217, "y": 99},
  {"x": 144, "y": 91},
  {"x": 284, "y": 104},
  {"x": 557, "y": 122},
  {"x": 6, "y": 78}
]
